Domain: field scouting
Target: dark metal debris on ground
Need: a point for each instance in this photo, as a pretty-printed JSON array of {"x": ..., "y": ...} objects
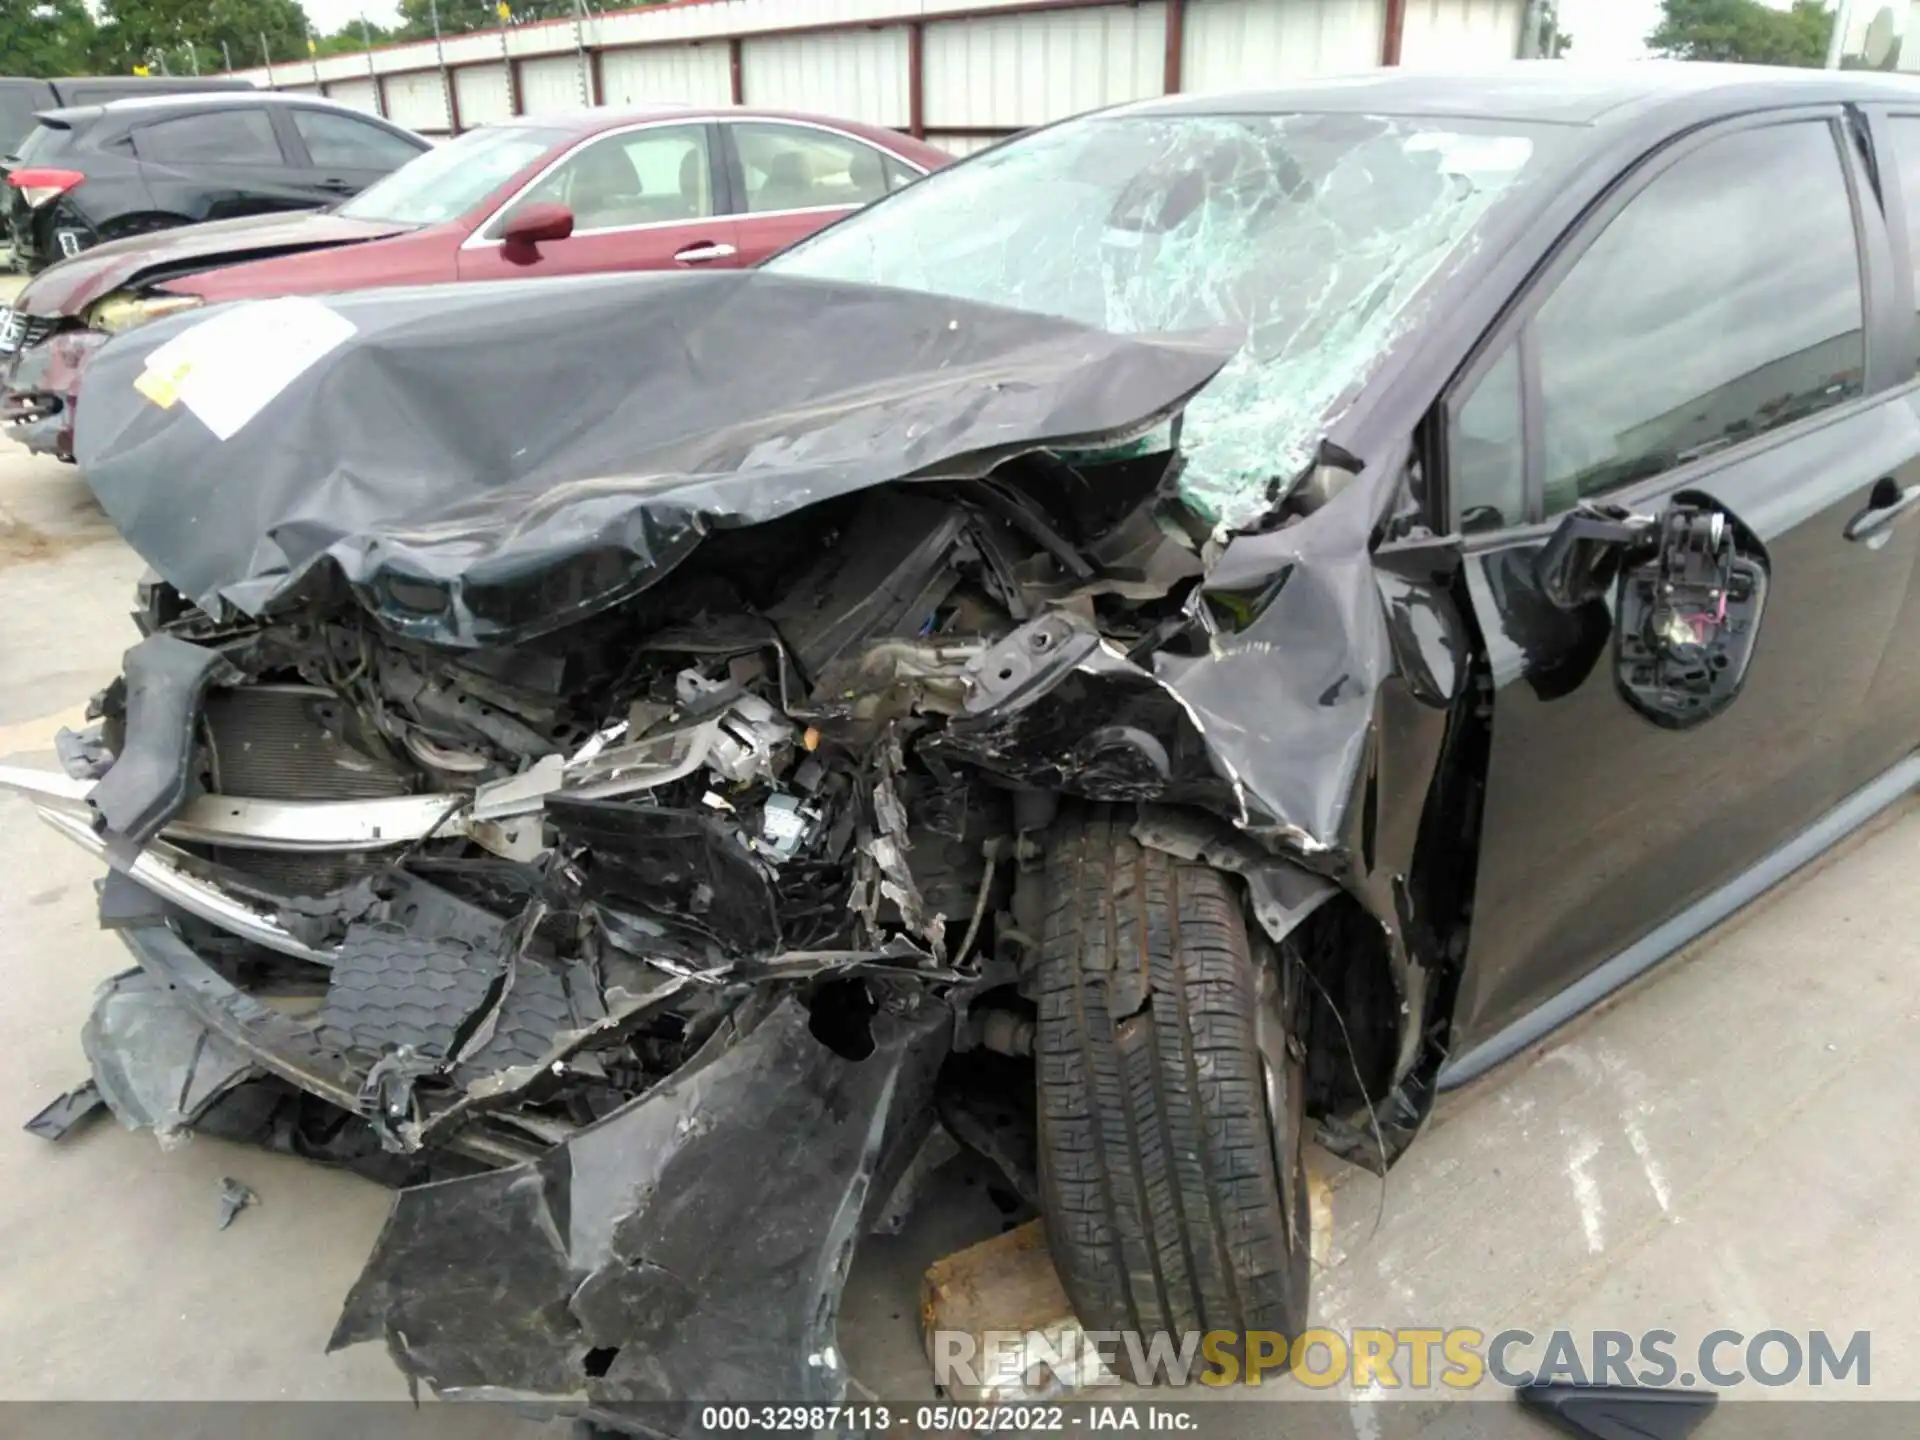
[{"x": 234, "y": 1197}]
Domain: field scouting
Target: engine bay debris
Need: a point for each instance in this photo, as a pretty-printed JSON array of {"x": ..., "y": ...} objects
[{"x": 619, "y": 815}]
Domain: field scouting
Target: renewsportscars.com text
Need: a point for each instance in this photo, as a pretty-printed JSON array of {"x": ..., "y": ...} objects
[{"x": 1409, "y": 1358}]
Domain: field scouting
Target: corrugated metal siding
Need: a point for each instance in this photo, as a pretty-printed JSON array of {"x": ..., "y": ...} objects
[
  {"x": 696, "y": 73},
  {"x": 552, "y": 86},
  {"x": 743, "y": 17},
  {"x": 418, "y": 101},
  {"x": 479, "y": 45},
  {"x": 1442, "y": 33},
  {"x": 1252, "y": 44},
  {"x": 993, "y": 70},
  {"x": 859, "y": 75},
  {"x": 964, "y": 144},
  {"x": 1029, "y": 69},
  {"x": 482, "y": 90},
  {"x": 357, "y": 93}
]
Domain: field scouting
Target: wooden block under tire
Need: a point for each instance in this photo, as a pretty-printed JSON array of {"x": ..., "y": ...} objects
[{"x": 1008, "y": 1284}]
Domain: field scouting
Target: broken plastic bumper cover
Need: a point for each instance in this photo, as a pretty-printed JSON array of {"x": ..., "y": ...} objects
[{"x": 622, "y": 1266}]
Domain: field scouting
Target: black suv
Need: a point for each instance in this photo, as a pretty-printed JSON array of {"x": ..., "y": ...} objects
[
  {"x": 100, "y": 172},
  {"x": 22, "y": 96}
]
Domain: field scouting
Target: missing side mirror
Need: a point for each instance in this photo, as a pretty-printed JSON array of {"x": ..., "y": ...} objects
[
  {"x": 1691, "y": 586},
  {"x": 1689, "y": 615}
]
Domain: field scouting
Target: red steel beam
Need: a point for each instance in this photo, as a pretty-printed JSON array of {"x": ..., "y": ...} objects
[
  {"x": 596, "y": 81},
  {"x": 1394, "y": 33},
  {"x": 1176, "y": 46},
  {"x": 916, "y": 79},
  {"x": 736, "y": 71}
]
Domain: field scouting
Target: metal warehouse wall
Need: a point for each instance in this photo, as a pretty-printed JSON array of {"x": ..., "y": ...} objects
[
  {"x": 698, "y": 74},
  {"x": 1461, "y": 32},
  {"x": 963, "y": 73}
]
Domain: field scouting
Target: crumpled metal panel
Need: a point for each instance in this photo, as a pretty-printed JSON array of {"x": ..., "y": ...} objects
[
  {"x": 691, "y": 1245},
  {"x": 472, "y": 492}
]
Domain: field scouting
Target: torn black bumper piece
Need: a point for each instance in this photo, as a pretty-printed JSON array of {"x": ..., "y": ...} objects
[
  {"x": 166, "y": 681},
  {"x": 67, "y": 1113},
  {"x": 1619, "y": 1412},
  {"x": 154, "y": 1061},
  {"x": 692, "y": 1244}
]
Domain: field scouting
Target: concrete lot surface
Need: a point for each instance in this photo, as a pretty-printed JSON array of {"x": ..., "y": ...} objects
[{"x": 1731, "y": 1146}]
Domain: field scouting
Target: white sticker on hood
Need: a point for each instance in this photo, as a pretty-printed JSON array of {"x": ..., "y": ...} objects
[{"x": 227, "y": 367}]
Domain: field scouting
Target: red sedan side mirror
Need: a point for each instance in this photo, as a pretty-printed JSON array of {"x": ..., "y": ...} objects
[{"x": 531, "y": 224}]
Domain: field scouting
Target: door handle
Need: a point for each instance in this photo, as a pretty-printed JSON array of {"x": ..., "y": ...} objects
[
  {"x": 340, "y": 187},
  {"x": 1886, "y": 504},
  {"x": 703, "y": 252}
]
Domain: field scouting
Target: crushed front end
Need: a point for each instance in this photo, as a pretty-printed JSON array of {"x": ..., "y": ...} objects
[
  {"x": 642, "y": 852},
  {"x": 40, "y": 382}
]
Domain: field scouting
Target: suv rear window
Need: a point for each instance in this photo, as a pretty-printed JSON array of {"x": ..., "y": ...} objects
[
  {"x": 42, "y": 143},
  {"x": 18, "y": 102},
  {"x": 214, "y": 137}
]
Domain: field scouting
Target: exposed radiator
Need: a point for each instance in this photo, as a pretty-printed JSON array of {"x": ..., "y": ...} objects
[{"x": 271, "y": 742}]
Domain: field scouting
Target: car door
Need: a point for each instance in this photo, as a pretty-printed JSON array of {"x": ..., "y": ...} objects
[
  {"x": 218, "y": 164},
  {"x": 644, "y": 198},
  {"x": 793, "y": 179},
  {"x": 1895, "y": 698},
  {"x": 340, "y": 155},
  {"x": 1706, "y": 333}
]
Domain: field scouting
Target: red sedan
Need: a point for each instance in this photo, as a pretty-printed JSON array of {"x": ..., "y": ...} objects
[{"x": 670, "y": 187}]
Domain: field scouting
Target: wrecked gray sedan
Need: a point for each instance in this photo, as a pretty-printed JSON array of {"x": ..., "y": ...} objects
[{"x": 1204, "y": 624}]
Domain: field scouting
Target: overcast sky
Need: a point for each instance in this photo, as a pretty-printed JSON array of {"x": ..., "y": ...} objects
[{"x": 330, "y": 15}]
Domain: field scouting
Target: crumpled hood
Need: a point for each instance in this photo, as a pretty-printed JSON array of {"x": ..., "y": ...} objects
[
  {"x": 484, "y": 462},
  {"x": 69, "y": 287}
]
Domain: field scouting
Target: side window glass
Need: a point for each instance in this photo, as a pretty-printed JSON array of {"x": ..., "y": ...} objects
[
  {"x": 1723, "y": 302},
  {"x": 352, "y": 144},
  {"x": 645, "y": 177},
  {"x": 793, "y": 167},
  {"x": 218, "y": 137},
  {"x": 1487, "y": 453},
  {"x": 899, "y": 173},
  {"x": 1905, "y": 130}
]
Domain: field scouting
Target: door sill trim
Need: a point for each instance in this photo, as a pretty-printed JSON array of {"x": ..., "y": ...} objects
[{"x": 1698, "y": 918}]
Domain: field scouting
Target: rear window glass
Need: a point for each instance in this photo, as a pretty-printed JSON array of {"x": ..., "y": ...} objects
[
  {"x": 17, "y": 106},
  {"x": 42, "y": 142},
  {"x": 215, "y": 137}
]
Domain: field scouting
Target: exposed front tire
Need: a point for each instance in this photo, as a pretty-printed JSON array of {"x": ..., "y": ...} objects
[{"x": 1171, "y": 1160}]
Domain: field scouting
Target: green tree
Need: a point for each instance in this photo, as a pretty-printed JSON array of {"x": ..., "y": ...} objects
[
  {"x": 461, "y": 17},
  {"x": 1744, "y": 30},
  {"x": 51, "y": 38},
  {"x": 350, "y": 39},
  {"x": 166, "y": 28}
]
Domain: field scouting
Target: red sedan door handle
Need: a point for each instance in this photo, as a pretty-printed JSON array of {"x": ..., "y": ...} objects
[{"x": 701, "y": 253}]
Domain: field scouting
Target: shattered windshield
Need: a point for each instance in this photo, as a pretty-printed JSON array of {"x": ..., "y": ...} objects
[{"x": 1312, "y": 233}]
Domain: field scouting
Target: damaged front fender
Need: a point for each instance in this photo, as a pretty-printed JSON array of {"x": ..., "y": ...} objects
[{"x": 692, "y": 1244}]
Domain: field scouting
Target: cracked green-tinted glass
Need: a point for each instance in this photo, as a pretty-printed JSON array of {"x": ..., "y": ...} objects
[{"x": 1310, "y": 234}]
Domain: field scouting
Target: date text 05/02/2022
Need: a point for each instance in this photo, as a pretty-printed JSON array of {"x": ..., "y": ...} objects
[{"x": 948, "y": 1419}]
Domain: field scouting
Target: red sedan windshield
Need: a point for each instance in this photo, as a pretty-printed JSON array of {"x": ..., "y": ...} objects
[{"x": 450, "y": 179}]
